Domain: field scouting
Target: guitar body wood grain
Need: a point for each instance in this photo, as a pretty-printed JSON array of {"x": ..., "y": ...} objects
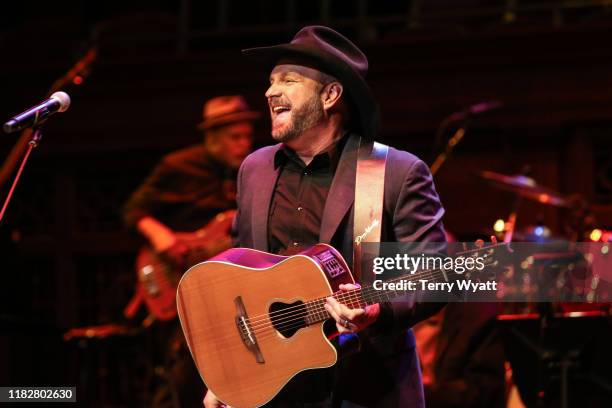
[{"x": 225, "y": 343}]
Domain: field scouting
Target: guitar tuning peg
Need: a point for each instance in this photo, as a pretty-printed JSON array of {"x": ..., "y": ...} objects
[
  {"x": 493, "y": 239},
  {"x": 465, "y": 247},
  {"x": 479, "y": 243}
]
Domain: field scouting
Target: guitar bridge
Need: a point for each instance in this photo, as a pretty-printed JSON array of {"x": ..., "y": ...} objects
[{"x": 246, "y": 332}]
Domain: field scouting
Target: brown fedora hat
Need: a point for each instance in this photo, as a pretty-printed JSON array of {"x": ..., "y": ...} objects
[
  {"x": 334, "y": 54},
  {"x": 224, "y": 110}
]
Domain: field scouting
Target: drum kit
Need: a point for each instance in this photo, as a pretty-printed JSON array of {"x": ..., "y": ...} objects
[
  {"x": 550, "y": 342},
  {"x": 525, "y": 187},
  {"x": 574, "y": 253}
]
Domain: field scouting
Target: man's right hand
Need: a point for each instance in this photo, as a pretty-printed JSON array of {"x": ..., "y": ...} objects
[
  {"x": 211, "y": 401},
  {"x": 160, "y": 236},
  {"x": 164, "y": 241}
]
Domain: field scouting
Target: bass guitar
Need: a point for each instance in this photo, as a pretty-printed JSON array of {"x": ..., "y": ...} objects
[{"x": 157, "y": 278}]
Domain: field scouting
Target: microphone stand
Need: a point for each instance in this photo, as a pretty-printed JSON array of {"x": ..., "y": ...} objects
[
  {"x": 462, "y": 117},
  {"x": 450, "y": 145},
  {"x": 81, "y": 67},
  {"x": 33, "y": 143}
]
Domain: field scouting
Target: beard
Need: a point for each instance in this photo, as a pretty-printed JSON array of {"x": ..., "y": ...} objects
[{"x": 306, "y": 117}]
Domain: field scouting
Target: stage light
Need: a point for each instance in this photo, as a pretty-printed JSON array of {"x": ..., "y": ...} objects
[
  {"x": 595, "y": 235},
  {"x": 499, "y": 226}
]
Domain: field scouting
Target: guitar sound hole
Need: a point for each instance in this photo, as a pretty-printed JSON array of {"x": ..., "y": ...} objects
[{"x": 287, "y": 318}]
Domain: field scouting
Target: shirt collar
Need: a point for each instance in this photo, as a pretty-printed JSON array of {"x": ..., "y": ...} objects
[{"x": 328, "y": 158}]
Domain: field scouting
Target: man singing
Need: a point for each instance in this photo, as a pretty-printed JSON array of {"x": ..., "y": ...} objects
[{"x": 301, "y": 191}]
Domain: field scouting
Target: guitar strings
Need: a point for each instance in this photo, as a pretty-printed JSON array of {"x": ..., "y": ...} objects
[
  {"x": 368, "y": 293},
  {"x": 295, "y": 319},
  {"x": 290, "y": 321},
  {"x": 264, "y": 331},
  {"x": 267, "y": 331},
  {"x": 290, "y": 324},
  {"x": 342, "y": 296},
  {"x": 426, "y": 273},
  {"x": 294, "y": 316}
]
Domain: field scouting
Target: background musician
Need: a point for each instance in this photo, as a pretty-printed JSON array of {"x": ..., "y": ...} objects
[{"x": 186, "y": 190}]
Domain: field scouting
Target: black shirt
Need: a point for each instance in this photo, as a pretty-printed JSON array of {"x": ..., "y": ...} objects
[
  {"x": 294, "y": 224},
  {"x": 299, "y": 199}
]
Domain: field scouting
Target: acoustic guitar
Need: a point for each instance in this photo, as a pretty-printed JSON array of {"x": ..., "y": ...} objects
[
  {"x": 253, "y": 320},
  {"x": 157, "y": 278}
]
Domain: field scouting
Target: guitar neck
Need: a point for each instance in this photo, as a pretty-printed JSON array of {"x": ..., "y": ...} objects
[
  {"x": 363, "y": 297},
  {"x": 366, "y": 296}
]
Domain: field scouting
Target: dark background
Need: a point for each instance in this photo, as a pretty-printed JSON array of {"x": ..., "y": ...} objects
[{"x": 67, "y": 259}]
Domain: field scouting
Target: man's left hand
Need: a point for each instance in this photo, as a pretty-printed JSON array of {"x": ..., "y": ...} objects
[{"x": 351, "y": 320}]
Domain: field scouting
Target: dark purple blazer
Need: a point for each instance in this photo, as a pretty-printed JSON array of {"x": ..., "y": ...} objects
[{"x": 385, "y": 372}]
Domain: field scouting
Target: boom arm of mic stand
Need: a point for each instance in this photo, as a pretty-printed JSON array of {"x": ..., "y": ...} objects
[
  {"x": 450, "y": 145},
  {"x": 26, "y": 136}
]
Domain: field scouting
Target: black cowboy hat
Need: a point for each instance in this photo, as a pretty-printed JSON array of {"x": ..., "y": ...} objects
[{"x": 335, "y": 55}]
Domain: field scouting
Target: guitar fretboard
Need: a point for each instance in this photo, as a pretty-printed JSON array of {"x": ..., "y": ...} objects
[{"x": 366, "y": 296}]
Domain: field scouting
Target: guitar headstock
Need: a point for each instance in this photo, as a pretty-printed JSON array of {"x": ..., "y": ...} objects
[{"x": 490, "y": 255}]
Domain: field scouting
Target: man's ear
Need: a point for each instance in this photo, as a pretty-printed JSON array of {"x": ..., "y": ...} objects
[{"x": 330, "y": 95}]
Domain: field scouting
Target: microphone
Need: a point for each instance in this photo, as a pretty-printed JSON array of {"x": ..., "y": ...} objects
[
  {"x": 58, "y": 102},
  {"x": 476, "y": 109}
]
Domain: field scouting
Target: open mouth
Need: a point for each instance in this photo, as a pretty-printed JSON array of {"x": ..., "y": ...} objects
[{"x": 278, "y": 110}]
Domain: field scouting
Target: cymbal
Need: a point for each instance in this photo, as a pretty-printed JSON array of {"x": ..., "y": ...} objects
[{"x": 525, "y": 187}]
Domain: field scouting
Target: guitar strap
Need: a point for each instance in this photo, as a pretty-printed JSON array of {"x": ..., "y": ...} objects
[{"x": 369, "y": 195}]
